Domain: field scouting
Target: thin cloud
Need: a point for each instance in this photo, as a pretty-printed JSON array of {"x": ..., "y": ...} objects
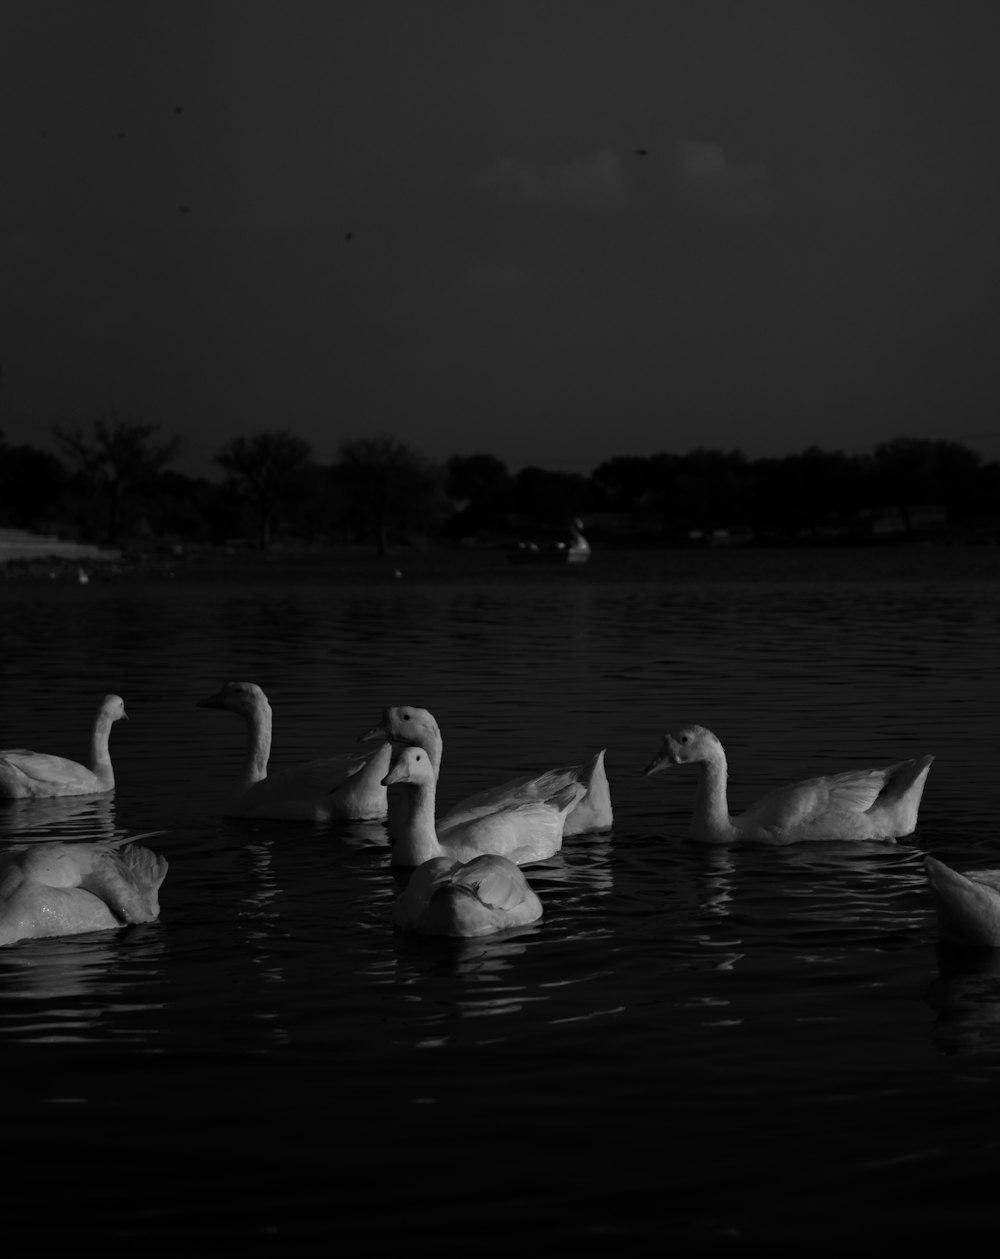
[
  {"x": 593, "y": 184},
  {"x": 710, "y": 181}
]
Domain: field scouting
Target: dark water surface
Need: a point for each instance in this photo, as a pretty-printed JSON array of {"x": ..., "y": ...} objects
[{"x": 694, "y": 1051}]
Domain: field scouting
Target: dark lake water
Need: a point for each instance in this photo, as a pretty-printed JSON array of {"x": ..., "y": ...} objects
[{"x": 692, "y": 1052}]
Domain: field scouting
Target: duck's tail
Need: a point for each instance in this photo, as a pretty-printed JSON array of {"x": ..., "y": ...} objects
[
  {"x": 128, "y": 880},
  {"x": 567, "y": 798},
  {"x": 593, "y": 811},
  {"x": 899, "y": 799},
  {"x": 968, "y": 912},
  {"x": 146, "y": 867}
]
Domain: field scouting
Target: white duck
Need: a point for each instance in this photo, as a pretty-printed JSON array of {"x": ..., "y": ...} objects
[
  {"x": 967, "y": 905},
  {"x": 529, "y": 831},
  {"x": 466, "y": 898},
  {"x": 340, "y": 787},
  {"x": 55, "y": 889},
  {"x": 37, "y": 775},
  {"x": 417, "y": 727},
  {"x": 856, "y": 805}
]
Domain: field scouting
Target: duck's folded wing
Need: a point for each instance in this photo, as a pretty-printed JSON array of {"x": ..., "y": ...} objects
[
  {"x": 355, "y": 762},
  {"x": 515, "y": 792},
  {"x": 315, "y": 778},
  {"x": 42, "y": 767},
  {"x": 854, "y": 791},
  {"x": 495, "y": 881},
  {"x": 531, "y": 831}
]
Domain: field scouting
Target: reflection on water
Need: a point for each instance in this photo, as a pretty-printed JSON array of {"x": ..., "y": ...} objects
[
  {"x": 754, "y": 1008},
  {"x": 80, "y": 988},
  {"x": 72, "y": 818},
  {"x": 966, "y": 998}
]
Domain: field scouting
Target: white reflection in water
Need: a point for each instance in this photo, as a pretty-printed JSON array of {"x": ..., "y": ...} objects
[
  {"x": 76, "y": 988},
  {"x": 715, "y": 882},
  {"x": 464, "y": 979},
  {"x": 67, "y": 818},
  {"x": 966, "y": 997},
  {"x": 717, "y": 961}
]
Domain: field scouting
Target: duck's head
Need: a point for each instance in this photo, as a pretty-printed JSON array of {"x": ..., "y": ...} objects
[
  {"x": 687, "y": 745},
  {"x": 409, "y": 765},
  {"x": 239, "y": 697},
  {"x": 113, "y": 707},
  {"x": 405, "y": 724}
]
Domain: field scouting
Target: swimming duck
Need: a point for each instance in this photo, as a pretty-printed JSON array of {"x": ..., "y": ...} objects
[
  {"x": 856, "y": 805},
  {"x": 54, "y": 889},
  {"x": 417, "y": 727},
  {"x": 341, "y": 787},
  {"x": 531, "y": 830},
  {"x": 37, "y": 775},
  {"x": 967, "y": 905},
  {"x": 466, "y": 898}
]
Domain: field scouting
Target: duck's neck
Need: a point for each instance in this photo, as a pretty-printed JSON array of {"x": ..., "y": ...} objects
[
  {"x": 258, "y": 748},
  {"x": 400, "y": 802},
  {"x": 100, "y": 756},
  {"x": 417, "y": 842},
  {"x": 433, "y": 745},
  {"x": 711, "y": 822}
]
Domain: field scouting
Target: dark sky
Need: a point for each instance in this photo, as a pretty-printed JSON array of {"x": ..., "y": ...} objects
[{"x": 555, "y": 230}]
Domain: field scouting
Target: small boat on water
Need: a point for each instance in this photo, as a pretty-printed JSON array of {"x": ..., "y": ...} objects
[{"x": 574, "y": 549}]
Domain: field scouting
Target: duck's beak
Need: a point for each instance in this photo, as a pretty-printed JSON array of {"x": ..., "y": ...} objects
[
  {"x": 381, "y": 731},
  {"x": 662, "y": 760},
  {"x": 210, "y": 701},
  {"x": 395, "y": 775}
]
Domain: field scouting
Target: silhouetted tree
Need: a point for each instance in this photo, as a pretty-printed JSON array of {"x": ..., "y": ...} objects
[
  {"x": 266, "y": 468},
  {"x": 815, "y": 493},
  {"x": 909, "y": 472},
  {"x": 483, "y": 488},
  {"x": 711, "y": 489},
  {"x": 182, "y": 507},
  {"x": 388, "y": 484},
  {"x": 117, "y": 455},
  {"x": 551, "y": 499},
  {"x": 33, "y": 486},
  {"x": 470, "y": 476}
]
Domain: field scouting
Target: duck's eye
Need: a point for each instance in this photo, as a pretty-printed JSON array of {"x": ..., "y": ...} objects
[{"x": 685, "y": 738}]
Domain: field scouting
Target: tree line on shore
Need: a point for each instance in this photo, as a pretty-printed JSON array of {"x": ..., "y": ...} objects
[{"x": 112, "y": 481}]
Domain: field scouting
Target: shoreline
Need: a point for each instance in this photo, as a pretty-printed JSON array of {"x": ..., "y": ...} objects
[{"x": 361, "y": 564}]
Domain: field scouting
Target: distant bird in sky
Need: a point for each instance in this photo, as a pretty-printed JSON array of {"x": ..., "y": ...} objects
[
  {"x": 348, "y": 236},
  {"x": 183, "y": 209},
  {"x": 642, "y": 152}
]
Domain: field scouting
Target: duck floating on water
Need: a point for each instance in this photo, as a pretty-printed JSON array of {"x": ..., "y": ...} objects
[
  {"x": 530, "y": 830},
  {"x": 54, "y": 889},
  {"x": 342, "y": 788},
  {"x": 39, "y": 775},
  {"x": 862, "y": 804},
  {"x": 451, "y": 894},
  {"x": 417, "y": 727}
]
